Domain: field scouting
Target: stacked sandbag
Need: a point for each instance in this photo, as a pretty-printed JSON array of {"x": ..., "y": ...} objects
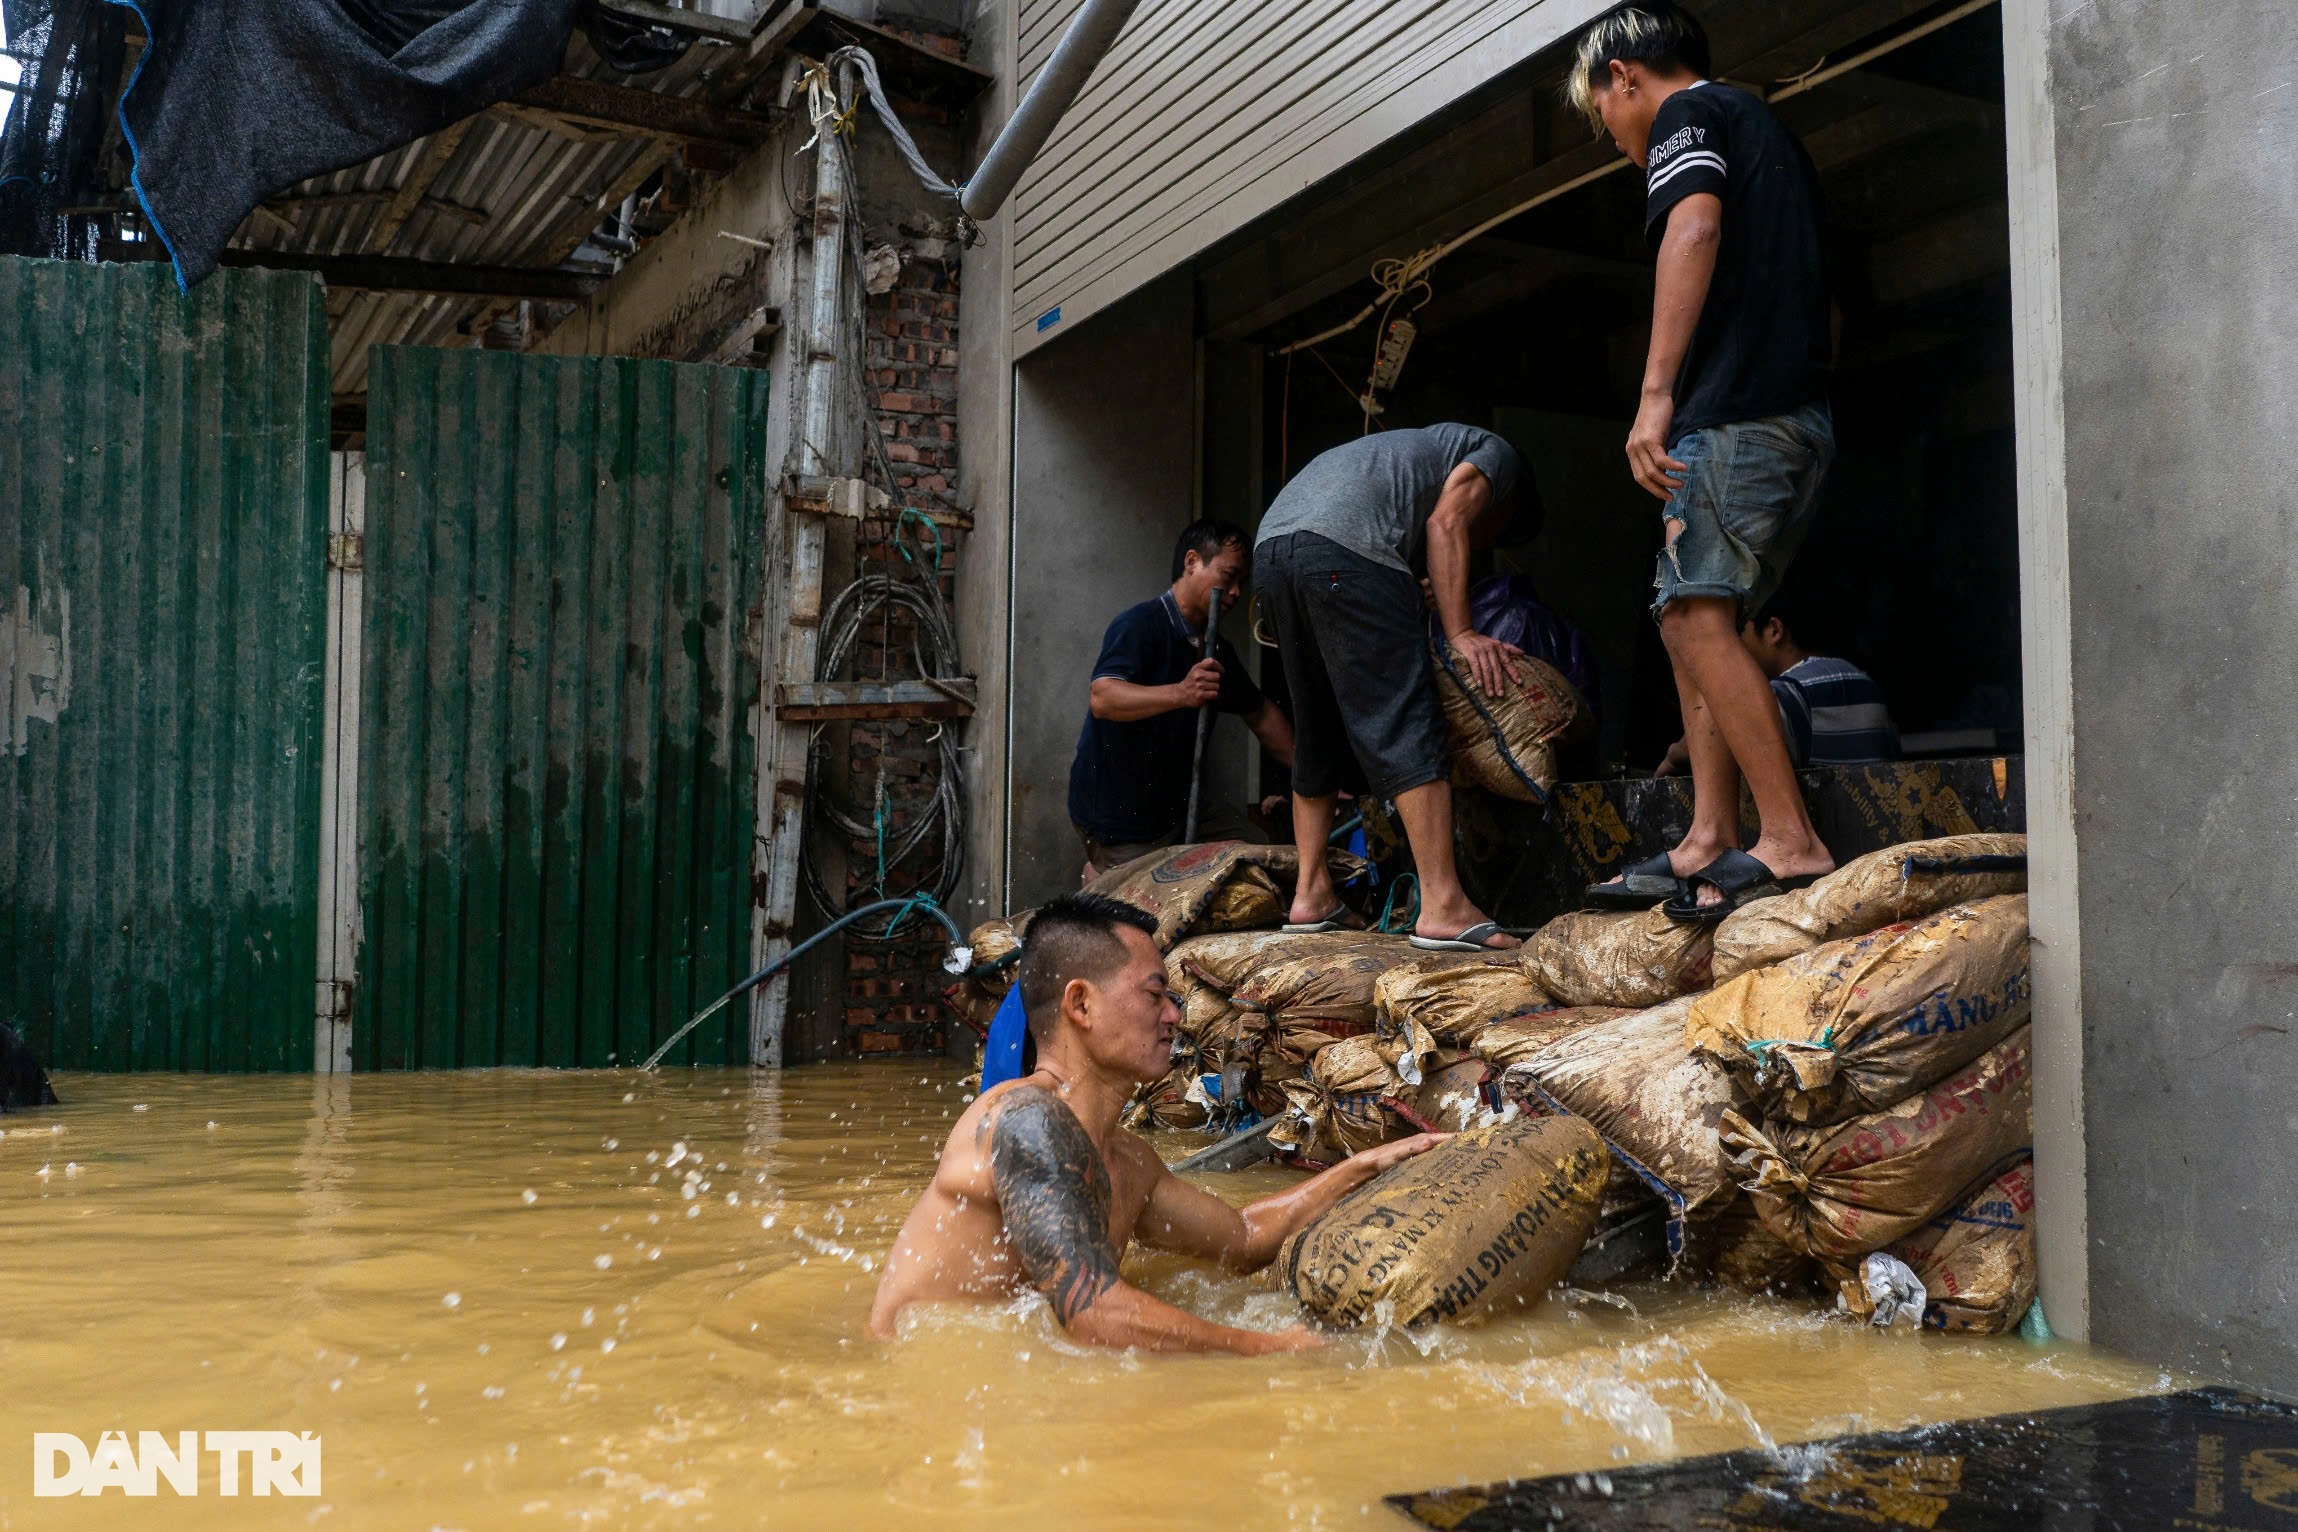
[
  {"x": 1904, "y": 882},
  {"x": 1976, "y": 1261},
  {"x": 1840, "y": 1190},
  {"x": 1506, "y": 744},
  {"x": 1854, "y": 1026},
  {"x": 1261, "y": 1004},
  {"x": 1335, "y": 1108},
  {"x": 1520, "y": 1035},
  {"x": 1659, "y": 1106},
  {"x": 1218, "y": 886},
  {"x": 1635, "y": 960},
  {"x": 996, "y": 947},
  {"x": 1454, "y": 993},
  {"x": 1742, "y": 1254},
  {"x": 1488, "y": 1220}
]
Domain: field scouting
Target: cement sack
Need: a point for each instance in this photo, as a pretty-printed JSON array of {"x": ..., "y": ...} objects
[
  {"x": 1659, "y": 1105},
  {"x": 1506, "y": 744},
  {"x": 977, "y": 996},
  {"x": 1489, "y": 1220},
  {"x": 1853, "y": 1026},
  {"x": 1507, "y": 1040},
  {"x": 1454, "y": 993},
  {"x": 1324, "y": 981},
  {"x": 1174, "y": 1102},
  {"x": 1976, "y": 1261},
  {"x": 1882, "y": 888},
  {"x": 1746, "y": 1257},
  {"x": 1459, "y": 1092},
  {"x": 1219, "y": 886},
  {"x": 1333, "y": 1110},
  {"x": 1636, "y": 960},
  {"x": 1838, "y": 1192}
]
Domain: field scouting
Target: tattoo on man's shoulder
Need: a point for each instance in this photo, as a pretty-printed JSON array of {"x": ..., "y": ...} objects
[{"x": 1053, "y": 1192}]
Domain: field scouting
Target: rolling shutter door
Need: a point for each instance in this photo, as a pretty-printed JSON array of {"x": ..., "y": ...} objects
[{"x": 1208, "y": 113}]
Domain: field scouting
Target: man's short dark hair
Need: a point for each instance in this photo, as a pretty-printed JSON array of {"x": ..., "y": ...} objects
[
  {"x": 1206, "y": 539},
  {"x": 1659, "y": 34},
  {"x": 1072, "y": 937},
  {"x": 1807, "y": 626}
]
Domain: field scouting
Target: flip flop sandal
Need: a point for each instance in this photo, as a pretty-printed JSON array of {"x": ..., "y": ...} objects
[
  {"x": 1336, "y": 921},
  {"x": 1649, "y": 882},
  {"x": 1740, "y": 878},
  {"x": 1477, "y": 938}
]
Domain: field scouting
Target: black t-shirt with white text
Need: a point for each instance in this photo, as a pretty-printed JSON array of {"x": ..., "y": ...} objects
[{"x": 1761, "y": 347}]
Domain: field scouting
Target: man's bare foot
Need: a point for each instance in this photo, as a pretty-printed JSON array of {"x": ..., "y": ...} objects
[{"x": 1446, "y": 921}]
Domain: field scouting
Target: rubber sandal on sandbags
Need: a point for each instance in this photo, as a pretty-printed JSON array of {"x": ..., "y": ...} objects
[
  {"x": 1477, "y": 938},
  {"x": 1649, "y": 882},
  {"x": 1740, "y": 878},
  {"x": 1336, "y": 921}
]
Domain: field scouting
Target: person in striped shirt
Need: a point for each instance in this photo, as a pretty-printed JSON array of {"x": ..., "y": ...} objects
[{"x": 1832, "y": 711}]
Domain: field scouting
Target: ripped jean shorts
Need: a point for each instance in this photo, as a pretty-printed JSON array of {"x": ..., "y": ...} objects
[{"x": 1749, "y": 491}]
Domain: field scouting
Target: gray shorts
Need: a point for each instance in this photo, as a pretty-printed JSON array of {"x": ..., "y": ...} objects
[
  {"x": 1750, "y": 490},
  {"x": 1354, "y": 639}
]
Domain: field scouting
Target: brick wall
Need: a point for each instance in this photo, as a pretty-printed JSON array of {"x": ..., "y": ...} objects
[{"x": 893, "y": 1000}]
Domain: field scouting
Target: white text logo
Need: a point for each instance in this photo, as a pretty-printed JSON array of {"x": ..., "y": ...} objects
[{"x": 275, "y": 1463}]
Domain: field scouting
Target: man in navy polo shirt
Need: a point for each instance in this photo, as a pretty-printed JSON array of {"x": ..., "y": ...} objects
[{"x": 1129, "y": 785}]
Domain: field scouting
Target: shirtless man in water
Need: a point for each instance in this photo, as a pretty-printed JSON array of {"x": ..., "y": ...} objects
[{"x": 1039, "y": 1188}]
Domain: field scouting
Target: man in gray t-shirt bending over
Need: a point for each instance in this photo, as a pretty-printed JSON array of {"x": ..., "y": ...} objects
[{"x": 1339, "y": 557}]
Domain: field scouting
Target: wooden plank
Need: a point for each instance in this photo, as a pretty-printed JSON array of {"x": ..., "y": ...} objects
[
  {"x": 393, "y": 274},
  {"x": 820, "y": 701},
  {"x": 439, "y": 148},
  {"x": 624, "y": 109}
]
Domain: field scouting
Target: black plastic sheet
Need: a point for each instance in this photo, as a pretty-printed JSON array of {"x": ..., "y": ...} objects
[{"x": 2209, "y": 1460}]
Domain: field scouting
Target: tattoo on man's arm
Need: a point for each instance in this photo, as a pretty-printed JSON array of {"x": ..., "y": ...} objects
[{"x": 1053, "y": 1191}]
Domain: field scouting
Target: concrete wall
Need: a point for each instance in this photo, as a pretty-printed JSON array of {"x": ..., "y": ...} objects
[
  {"x": 2158, "y": 547},
  {"x": 1104, "y": 478}
]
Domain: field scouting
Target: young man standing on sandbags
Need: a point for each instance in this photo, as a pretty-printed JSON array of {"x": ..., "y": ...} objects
[
  {"x": 1038, "y": 1188},
  {"x": 1341, "y": 552},
  {"x": 1733, "y": 434},
  {"x": 1129, "y": 783}
]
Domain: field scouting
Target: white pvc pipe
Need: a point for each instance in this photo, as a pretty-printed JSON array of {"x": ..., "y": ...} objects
[{"x": 1050, "y": 95}]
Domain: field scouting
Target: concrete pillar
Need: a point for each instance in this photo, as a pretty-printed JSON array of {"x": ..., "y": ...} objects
[{"x": 2155, "y": 246}]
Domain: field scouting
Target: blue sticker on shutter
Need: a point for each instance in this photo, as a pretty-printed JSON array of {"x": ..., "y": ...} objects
[{"x": 1049, "y": 319}]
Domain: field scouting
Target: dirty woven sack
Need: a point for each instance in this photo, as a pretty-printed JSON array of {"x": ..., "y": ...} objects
[
  {"x": 1856, "y": 1025},
  {"x": 1746, "y": 1257},
  {"x": 1658, "y": 1105},
  {"x": 1838, "y": 1192},
  {"x": 1507, "y": 1040},
  {"x": 1454, "y": 993},
  {"x": 1219, "y": 886},
  {"x": 1976, "y": 1260},
  {"x": 1334, "y": 1109},
  {"x": 1487, "y": 1220},
  {"x": 1904, "y": 882},
  {"x": 1457, "y": 1093},
  {"x": 1505, "y": 744},
  {"x": 1323, "y": 981},
  {"x": 1635, "y": 960},
  {"x": 977, "y": 995},
  {"x": 1167, "y": 1103}
]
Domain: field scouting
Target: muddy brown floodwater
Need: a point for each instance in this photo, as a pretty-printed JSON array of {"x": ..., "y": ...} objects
[{"x": 516, "y": 1299}]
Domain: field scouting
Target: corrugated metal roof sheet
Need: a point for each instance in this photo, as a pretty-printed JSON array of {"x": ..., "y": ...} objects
[{"x": 538, "y": 194}]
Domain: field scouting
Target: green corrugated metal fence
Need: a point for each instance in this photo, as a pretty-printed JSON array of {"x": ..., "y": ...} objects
[
  {"x": 561, "y": 558},
  {"x": 162, "y": 562}
]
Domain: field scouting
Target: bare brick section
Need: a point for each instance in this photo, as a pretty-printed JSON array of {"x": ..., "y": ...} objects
[{"x": 893, "y": 1000}]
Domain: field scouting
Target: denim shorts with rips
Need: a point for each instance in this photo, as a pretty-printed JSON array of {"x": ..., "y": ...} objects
[{"x": 1750, "y": 489}]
